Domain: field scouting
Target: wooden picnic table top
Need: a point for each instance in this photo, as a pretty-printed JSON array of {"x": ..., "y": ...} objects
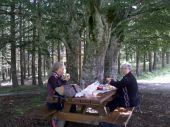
[{"x": 92, "y": 99}]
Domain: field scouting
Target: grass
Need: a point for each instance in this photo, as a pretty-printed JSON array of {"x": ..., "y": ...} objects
[
  {"x": 35, "y": 103},
  {"x": 20, "y": 110},
  {"x": 151, "y": 75},
  {"x": 38, "y": 101},
  {"x": 9, "y": 89}
]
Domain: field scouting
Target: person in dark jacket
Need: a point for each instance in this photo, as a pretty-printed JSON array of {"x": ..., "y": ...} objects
[
  {"x": 127, "y": 92},
  {"x": 127, "y": 89}
]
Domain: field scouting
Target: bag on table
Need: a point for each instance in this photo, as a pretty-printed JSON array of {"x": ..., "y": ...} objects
[{"x": 71, "y": 90}]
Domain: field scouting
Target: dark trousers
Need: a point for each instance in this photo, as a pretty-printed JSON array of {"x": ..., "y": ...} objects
[
  {"x": 59, "y": 106},
  {"x": 116, "y": 102}
]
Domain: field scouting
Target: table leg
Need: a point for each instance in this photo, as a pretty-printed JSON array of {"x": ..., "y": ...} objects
[
  {"x": 67, "y": 107},
  {"x": 83, "y": 109},
  {"x": 102, "y": 110}
]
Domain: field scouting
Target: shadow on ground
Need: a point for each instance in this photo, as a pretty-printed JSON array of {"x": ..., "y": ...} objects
[{"x": 155, "y": 106}]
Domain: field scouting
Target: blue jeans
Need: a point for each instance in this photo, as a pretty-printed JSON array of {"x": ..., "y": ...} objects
[{"x": 103, "y": 124}]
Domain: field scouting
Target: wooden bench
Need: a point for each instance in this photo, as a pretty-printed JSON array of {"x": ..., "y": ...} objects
[
  {"x": 42, "y": 114},
  {"x": 121, "y": 116}
]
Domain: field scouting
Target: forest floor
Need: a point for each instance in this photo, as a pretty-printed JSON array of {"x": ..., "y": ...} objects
[{"x": 155, "y": 106}]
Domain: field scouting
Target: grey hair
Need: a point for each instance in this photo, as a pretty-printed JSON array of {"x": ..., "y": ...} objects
[
  {"x": 126, "y": 65},
  {"x": 56, "y": 66}
]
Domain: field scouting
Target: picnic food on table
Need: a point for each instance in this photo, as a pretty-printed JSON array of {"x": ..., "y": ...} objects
[{"x": 105, "y": 87}]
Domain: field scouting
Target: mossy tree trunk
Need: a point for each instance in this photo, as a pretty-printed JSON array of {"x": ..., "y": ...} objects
[
  {"x": 111, "y": 58},
  {"x": 99, "y": 31}
]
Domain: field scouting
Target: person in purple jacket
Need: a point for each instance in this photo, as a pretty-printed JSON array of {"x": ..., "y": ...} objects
[{"x": 55, "y": 85}]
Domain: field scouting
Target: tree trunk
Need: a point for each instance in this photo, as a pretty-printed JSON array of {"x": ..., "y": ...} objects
[
  {"x": 137, "y": 61},
  {"x": 163, "y": 59},
  {"x": 79, "y": 61},
  {"x": 48, "y": 62},
  {"x": 44, "y": 66},
  {"x": 52, "y": 52},
  {"x": 24, "y": 62},
  {"x": 3, "y": 70},
  {"x": 150, "y": 61},
  {"x": 22, "y": 66},
  {"x": 13, "y": 46},
  {"x": 28, "y": 64},
  {"x": 72, "y": 63},
  {"x": 127, "y": 55},
  {"x": 40, "y": 82},
  {"x": 41, "y": 41},
  {"x": 34, "y": 49},
  {"x": 154, "y": 60},
  {"x": 58, "y": 52},
  {"x": 95, "y": 47},
  {"x": 144, "y": 62},
  {"x": 24, "y": 51},
  {"x": 21, "y": 49},
  {"x": 72, "y": 46},
  {"x": 6, "y": 73},
  {"x": 33, "y": 57},
  {"x": 10, "y": 75},
  {"x": 167, "y": 57},
  {"x": 118, "y": 66},
  {"x": 111, "y": 58},
  {"x": 72, "y": 43}
]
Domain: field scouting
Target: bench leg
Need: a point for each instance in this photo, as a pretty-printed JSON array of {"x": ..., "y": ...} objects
[
  {"x": 61, "y": 123},
  {"x": 138, "y": 109}
]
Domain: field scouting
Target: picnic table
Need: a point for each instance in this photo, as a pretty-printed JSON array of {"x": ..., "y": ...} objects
[
  {"x": 90, "y": 110},
  {"x": 98, "y": 111}
]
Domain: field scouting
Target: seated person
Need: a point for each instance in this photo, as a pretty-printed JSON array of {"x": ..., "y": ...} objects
[
  {"x": 55, "y": 88},
  {"x": 127, "y": 89},
  {"x": 55, "y": 85}
]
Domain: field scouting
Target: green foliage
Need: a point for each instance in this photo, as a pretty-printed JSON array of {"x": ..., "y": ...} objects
[
  {"x": 139, "y": 25},
  {"x": 140, "y": 20},
  {"x": 22, "y": 89},
  {"x": 148, "y": 30},
  {"x": 151, "y": 75}
]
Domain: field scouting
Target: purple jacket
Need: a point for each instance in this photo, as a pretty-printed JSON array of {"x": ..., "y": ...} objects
[{"x": 54, "y": 81}]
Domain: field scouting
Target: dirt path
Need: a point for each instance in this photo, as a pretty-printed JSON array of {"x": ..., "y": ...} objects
[
  {"x": 155, "y": 106},
  {"x": 158, "y": 84}
]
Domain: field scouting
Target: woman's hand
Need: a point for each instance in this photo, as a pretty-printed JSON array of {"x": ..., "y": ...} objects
[
  {"x": 108, "y": 80},
  {"x": 66, "y": 77}
]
